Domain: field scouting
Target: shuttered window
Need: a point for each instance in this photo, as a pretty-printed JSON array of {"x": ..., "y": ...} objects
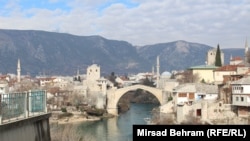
[
  {"x": 191, "y": 96},
  {"x": 182, "y": 95}
]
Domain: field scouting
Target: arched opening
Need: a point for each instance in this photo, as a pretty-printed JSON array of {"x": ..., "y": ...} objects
[
  {"x": 115, "y": 95},
  {"x": 135, "y": 96}
]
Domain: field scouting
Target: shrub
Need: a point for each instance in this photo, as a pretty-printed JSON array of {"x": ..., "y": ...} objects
[
  {"x": 65, "y": 115},
  {"x": 64, "y": 110},
  {"x": 170, "y": 98}
]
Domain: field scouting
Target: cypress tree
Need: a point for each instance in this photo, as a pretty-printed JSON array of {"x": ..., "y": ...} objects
[{"x": 218, "y": 57}]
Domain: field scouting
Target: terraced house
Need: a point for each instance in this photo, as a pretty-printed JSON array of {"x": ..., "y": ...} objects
[{"x": 241, "y": 96}]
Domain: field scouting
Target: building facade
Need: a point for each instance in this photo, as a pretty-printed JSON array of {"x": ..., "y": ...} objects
[
  {"x": 204, "y": 72},
  {"x": 241, "y": 96},
  {"x": 211, "y": 54}
]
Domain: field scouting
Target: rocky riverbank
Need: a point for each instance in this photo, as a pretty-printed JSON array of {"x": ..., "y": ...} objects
[{"x": 59, "y": 117}]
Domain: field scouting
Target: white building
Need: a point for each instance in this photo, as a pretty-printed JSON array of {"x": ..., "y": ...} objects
[
  {"x": 241, "y": 96},
  {"x": 193, "y": 92},
  {"x": 4, "y": 87}
]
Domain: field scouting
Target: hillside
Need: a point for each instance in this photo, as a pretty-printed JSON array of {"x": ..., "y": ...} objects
[
  {"x": 52, "y": 53},
  {"x": 61, "y": 54},
  {"x": 179, "y": 55}
]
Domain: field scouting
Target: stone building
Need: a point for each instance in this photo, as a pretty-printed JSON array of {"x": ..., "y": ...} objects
[
  {"x": 96, "y": 86},
  {"x": 211, "y": 55}
]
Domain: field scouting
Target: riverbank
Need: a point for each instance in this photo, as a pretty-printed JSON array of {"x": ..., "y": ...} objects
[
  {"x": 69, "y": 120},
  {"x": 106, "y": 129},
  {"x": 74, "y": 117}
]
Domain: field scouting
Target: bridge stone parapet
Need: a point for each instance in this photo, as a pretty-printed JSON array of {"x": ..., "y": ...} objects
[{"x": 114, "y": 95}]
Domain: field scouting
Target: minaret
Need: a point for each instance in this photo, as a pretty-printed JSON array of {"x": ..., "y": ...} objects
[
  {"x": 231, "y": 60},
  {"x": 77, "y": 73},
  {"x": 18, "y": 71},
  {"x": 246, "y": 51},
  {"x": 153, "y": 70},
  {"x": 158, "y": 71}
]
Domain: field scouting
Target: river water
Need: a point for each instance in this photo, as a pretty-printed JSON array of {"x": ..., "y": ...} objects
[{"x": 116, "y": 129}]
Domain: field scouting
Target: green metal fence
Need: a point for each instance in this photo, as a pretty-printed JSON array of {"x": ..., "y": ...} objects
[
  {"x": 15, "y": 106},
  {"x": 37, "y": 101},
  {"x": 12, "y": 105}
]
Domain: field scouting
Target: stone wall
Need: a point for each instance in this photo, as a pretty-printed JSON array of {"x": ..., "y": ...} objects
[{"x": 30, "y": 129}]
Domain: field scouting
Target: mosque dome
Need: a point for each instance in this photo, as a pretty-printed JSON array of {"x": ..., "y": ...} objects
[{"x": 166, "y": 74}]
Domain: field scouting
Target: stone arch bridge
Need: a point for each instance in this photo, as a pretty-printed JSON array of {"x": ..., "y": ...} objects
[{"x": 114, "y": 95}]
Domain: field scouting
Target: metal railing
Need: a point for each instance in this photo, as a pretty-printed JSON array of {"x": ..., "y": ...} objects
[{"x": 16, "y": 106}]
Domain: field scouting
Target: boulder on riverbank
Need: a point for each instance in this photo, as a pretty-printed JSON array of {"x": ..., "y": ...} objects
[{"x": 95, "y": 112}]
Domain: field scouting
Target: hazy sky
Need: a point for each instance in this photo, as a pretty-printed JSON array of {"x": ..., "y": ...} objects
[{"x": 140, "y": 22}]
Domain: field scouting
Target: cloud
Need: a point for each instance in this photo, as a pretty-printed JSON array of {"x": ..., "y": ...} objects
[{"x": 139, "y": 22}]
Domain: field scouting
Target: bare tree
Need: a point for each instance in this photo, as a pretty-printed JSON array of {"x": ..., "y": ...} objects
[
  {"x": 25, "y": 85},
  {"x": 76, "y": 99},
  {"x": 69, "y": 132},
  {"x": 189, "y": 77}
]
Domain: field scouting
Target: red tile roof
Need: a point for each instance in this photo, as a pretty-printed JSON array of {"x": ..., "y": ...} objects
[
  {"x": 237, "y": 58},
  {"x": 46, "y": 79},
  {"x": 228, "y": 68}
]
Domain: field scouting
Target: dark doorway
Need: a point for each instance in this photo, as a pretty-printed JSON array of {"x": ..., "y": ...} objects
[{"x": 198, "y": 112}]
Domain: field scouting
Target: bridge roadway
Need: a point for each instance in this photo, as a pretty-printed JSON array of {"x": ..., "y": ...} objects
[{"x": 114, "y": 95}]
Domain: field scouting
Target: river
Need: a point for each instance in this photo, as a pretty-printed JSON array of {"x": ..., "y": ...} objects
[{"x": 113, "y": 129}]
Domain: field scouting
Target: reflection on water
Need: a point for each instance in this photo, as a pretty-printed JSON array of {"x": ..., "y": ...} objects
[{"x": 118, "y": 128}]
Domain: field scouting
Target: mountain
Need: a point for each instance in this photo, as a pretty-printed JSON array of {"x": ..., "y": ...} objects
[
  {"x": 180, "y": 55},
  {"x": 177, "y": 55},
  {"x": 60, "y": 54},
  {"x": 52, "y": 53}
]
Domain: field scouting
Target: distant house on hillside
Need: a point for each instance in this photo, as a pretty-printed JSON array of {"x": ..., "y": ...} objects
[
  {"x": 236, "y": 60},
  {"x": 45, "y": 81}
]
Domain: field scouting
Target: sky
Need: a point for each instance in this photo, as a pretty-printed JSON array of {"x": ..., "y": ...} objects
[{"x": 140, "y": 22}]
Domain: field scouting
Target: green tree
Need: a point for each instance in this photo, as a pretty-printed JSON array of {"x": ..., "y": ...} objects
[{"x": 218, "y": 57}]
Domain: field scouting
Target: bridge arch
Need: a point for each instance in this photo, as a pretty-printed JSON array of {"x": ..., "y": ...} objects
[{"x": 114, "y": 96}]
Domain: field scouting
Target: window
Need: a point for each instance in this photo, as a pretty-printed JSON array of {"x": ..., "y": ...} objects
[
  {"x": 182, "y": 95},
  {"x": 191, "y": 96},
  {"x": 242, "y": 98},
  {"x": 237, "y": 98}
]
